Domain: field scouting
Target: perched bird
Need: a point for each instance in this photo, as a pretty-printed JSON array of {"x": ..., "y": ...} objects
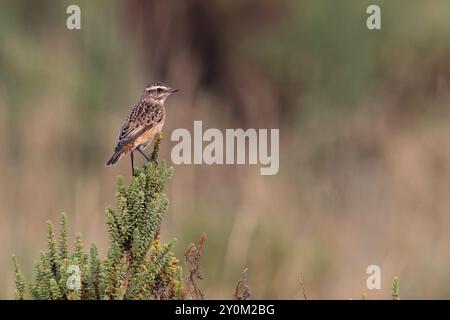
[{"x": 144, "y": 121}]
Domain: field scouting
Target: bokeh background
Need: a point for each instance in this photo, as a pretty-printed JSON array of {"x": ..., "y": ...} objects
[{"x": 364, "y": 135}]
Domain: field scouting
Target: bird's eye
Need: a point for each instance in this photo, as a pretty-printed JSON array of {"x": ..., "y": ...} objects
[{"x": 159, "y": 90}]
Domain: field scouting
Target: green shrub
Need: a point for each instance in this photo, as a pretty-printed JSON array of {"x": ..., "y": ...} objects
[{"x": 137, "y": 266}]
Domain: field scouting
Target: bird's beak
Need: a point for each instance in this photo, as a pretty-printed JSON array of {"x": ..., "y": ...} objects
[{"x": 172, "y": 90}]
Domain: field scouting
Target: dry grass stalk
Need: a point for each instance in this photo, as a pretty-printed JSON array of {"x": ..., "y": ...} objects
[
  {"x": 242, "y": 290},
  {"x": 192, "y": 268}
]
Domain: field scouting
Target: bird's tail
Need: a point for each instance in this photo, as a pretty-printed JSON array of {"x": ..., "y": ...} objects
[{"x": 115, "y": 157}]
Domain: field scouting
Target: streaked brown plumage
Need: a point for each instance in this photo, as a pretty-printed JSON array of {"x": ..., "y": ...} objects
[{"x": 144, "y": 121}]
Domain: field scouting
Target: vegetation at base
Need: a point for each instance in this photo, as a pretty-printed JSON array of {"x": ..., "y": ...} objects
[{"x": 138, "y": 265}]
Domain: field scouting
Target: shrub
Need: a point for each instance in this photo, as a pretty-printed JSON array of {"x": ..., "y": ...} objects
[{"x": 138, "y": 265}]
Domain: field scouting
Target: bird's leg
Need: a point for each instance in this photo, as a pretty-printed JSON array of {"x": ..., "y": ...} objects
[
  {"x": 143, "y": 153},
  {"x": 132, "y": 163}
]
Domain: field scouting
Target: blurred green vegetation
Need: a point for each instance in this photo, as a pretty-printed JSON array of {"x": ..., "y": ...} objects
[{"x": 363, "y": 116}]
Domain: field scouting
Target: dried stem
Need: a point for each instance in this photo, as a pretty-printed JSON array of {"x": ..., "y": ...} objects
[
  {"x": 242, "y": 290},
  {"x": 192, "y": 271}
]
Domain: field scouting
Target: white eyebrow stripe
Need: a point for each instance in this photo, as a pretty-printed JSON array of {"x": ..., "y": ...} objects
[{"x": 151, "y": 88}]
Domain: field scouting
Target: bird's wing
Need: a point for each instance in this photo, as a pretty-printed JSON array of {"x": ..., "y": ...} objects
[
  {"x": 133, "y": 135},
  {"x": 134, "y": 126}
]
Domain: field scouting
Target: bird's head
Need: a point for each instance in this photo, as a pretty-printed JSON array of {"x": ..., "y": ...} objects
[{"x": 158, "y": 91}]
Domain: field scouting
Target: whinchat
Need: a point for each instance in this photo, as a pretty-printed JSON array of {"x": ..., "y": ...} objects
[{"x": 144, "y": 121}]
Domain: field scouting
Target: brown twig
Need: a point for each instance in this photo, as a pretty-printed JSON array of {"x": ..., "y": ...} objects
[
  {"x": 192, "y": 272},
  {"x": 242, "y": 290},
  {"x": 302, "y": 286}
]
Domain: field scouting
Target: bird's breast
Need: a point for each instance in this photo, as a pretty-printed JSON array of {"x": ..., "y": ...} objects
[{"x": 148, "y": 135}]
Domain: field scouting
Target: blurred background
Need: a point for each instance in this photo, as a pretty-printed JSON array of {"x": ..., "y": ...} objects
[{"x": 364, "y": 136}]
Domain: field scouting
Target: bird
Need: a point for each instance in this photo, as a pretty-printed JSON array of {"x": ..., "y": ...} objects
[{"x": 145, "y": 119}]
